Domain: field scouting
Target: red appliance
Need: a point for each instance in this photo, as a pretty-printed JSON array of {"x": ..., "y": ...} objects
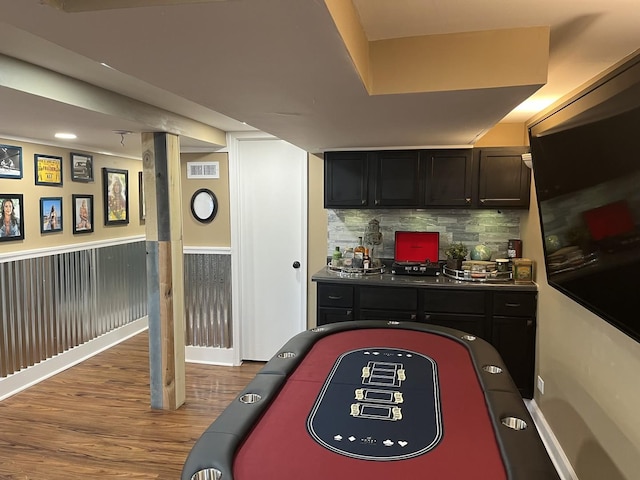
[{"x": 416, "y": 253}]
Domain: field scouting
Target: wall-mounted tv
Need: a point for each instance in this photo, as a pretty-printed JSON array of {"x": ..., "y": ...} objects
[{"x": 586, "y": 164}]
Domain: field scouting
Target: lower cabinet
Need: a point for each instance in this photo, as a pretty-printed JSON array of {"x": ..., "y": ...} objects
[{"x": 506, "y": 319}]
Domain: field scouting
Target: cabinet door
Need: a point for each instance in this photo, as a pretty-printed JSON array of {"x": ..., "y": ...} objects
[
  {"x": 395, "y": 315},
  {"x": 346, "y": 176},
  {"x": 396, "y": 180},
  {"x": 503, "y": 178},
  {"x": 473, "y": 324},
  {"x": 447, "y": 177},
  {"x": 514, "y": 338},
  {"x": 334, "y": 315}
]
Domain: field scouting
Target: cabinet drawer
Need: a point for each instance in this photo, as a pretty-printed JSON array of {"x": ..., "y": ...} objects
[
  {"x": 518, "y": 304},
  {"x": 330, "y": 295},
  {"x": 388, "y": 315},
  {"x": 450, "y": 301},
  {"x": 388, "y": 298}
]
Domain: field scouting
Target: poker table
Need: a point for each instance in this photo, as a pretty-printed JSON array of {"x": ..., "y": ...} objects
[{"x": 375, "y": 399}]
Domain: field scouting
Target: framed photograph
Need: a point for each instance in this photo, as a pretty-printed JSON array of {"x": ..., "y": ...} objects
[
  {"x": 143, "y": 212},
  {"x": 82, "y": 213},
  {"x": 50, "y": 214},
  {"x": 48, "y": 170},
  {"x": 81, "y": 167},
  {"x": 10, "y": 161},
  {"x": 115, "y": 188},
  {"x": 11, "y": 227}
]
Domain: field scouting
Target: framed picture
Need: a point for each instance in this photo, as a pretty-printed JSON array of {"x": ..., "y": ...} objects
[
  {"x": 143, "y": 211},
  {"x": 10, "y": 161},
  {"x": 50, "y": 214},
  {"x": 81, "y": 167},
  {"x": 48, "y": 170},
  {"x": 11, "y": 227},
  {"x": 82, "y": 213},
  {"x": 115, "y": 188}
]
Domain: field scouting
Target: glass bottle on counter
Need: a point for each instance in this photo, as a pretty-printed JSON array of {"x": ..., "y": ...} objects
[
  {"x": 336, "y": 258},
  {"x": 358, "y": 254},
  {"x": 347, "y": 258},
  {"x": 366, "y": 260}
]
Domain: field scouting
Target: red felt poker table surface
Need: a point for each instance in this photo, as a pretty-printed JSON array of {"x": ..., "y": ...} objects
[{"x": 375, "y": 399}]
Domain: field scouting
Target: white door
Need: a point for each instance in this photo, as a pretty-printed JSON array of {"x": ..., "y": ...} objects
[{"x": 268, "y": 243}]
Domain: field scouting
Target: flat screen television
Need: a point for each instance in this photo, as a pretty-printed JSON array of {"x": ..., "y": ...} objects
[{"x": 586, "y": 164}]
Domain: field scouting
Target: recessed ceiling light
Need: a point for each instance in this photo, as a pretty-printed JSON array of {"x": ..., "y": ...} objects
[{"x": 66, "y": 136}]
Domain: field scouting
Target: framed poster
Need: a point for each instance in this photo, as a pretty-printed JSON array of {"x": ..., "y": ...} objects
[
  {"x": 115, "y": 188},
  {"x": 81, "y": 167},
  {"x": 82, "y": 213},
  {"x": 48, "y": 170},
  {"x": 143, "y": 212},
  {"x": 50, "y": 214},
  {"x": 10, "y": 161},
  {"x": 11, "y": 227}
]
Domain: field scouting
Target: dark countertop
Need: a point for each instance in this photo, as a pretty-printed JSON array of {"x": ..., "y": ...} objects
[{"x": 440, "y": 281}]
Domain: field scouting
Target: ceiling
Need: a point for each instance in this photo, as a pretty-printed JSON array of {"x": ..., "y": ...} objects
[{"x": 202, "y": 68}]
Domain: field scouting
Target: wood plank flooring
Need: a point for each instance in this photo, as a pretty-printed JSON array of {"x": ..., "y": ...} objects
[{"x": 94, "y": 420}]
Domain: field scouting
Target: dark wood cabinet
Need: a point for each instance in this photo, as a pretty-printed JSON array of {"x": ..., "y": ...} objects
[
  {"x": 506, "y": 319},
  {"x": 504, "y": 181},
  {"x": 448, "y": 176},
  {"x": 346, "y": 179},
  {"x": 396, "y": 178},
  {"x": 455, "y": 178}
]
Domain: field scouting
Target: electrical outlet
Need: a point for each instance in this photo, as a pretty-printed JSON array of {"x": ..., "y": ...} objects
[{"x": 540, "y": 385}]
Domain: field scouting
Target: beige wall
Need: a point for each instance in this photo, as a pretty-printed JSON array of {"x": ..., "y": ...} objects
[
  {"x": 317, "y": 233},
  {"x": 590, "y": 373},
  {"x": 218, "y": 232},
  {"x": 32, "y": 194},
  {"x": 505, "y": 135}
]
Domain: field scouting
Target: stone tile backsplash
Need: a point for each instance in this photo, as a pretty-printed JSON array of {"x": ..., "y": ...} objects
[{"x": 472, "y": 227}]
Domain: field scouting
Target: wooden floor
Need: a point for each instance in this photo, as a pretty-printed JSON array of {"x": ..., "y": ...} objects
[{"x": 94, "y": 420}]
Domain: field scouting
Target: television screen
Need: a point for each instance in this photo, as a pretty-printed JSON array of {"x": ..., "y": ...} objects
[{"x": 586, "y": 163}]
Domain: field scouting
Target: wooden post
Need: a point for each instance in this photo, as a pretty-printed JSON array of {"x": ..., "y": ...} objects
[{"x": 165, "y": 280}]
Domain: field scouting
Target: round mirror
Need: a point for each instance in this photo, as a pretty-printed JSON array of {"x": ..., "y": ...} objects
[{"x": 204, "y": 205}]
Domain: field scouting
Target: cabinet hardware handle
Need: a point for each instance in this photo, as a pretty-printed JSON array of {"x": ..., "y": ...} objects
[
  {"x": 348, "y": 313},
  {"x": 427, "y": 317},
  {"x": 483, "y": 200},
  {"x": 332, "y": 297},
  {"x": 377, "y": 202},
  {"x": 413, "y": 316},
  {"x": 515, "y": 305},
  {"x": 363, "y": 202},
  {"x": 529, "y": 323},
  {"x": 468, "y": 200}
]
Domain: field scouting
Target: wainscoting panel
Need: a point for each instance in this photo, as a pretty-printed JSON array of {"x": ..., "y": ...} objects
[
  {"x": 207, "y": 293},
  {"x": 52, "y": 303}
]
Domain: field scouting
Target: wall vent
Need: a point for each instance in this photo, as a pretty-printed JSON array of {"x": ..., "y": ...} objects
[{"x": 203, "y": 169}]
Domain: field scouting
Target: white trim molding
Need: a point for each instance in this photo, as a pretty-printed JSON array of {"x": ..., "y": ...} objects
[
  {"x": 211, "y": 356},
  {"x": 42, "y": 252},
  {"x": 554, "y": 449},
  {"x": 206, "y": 250}
]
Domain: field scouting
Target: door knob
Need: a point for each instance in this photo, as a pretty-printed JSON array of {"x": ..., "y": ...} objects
[{"x": 296, "y": 264}]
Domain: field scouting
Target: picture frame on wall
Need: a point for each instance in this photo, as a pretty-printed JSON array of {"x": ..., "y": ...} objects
[
  {"x": 50, "y": 214},
  {"x": 12, "y": 225},
  {"x": 81, "y": 167},
  {"x": 82, "y": 213},
  {"x": 115, "y": 188},
  {"x": 10, "y": 161},
  {"x": 143, "y": 211},
  {"x": 48, "y": 170}
]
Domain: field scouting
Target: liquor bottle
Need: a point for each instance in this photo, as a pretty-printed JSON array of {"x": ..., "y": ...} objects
[
  {"x": 358, "y": 254},
  {"x": 347, "y": 259},
  {"x": 336, "y": 258},
  {"x": 366, "y": 260}
]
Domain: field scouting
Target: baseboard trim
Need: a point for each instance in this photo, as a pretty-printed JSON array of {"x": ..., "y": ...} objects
[
  {"x": 210, "y": 356},
  {"x": 24, "y": 379},
  {"x": 558, "y": 457}
]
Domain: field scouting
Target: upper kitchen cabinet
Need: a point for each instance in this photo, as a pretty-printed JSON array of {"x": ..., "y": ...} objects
[
  {"x": 384, "y": 179},
  {"x": 396, "y": 179},
  {"x": 504, "y": 180},
  {"x": 454, "y": 178},
  {"x": 346, "y": 179},
  {"x": 448, "y": 177}
]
